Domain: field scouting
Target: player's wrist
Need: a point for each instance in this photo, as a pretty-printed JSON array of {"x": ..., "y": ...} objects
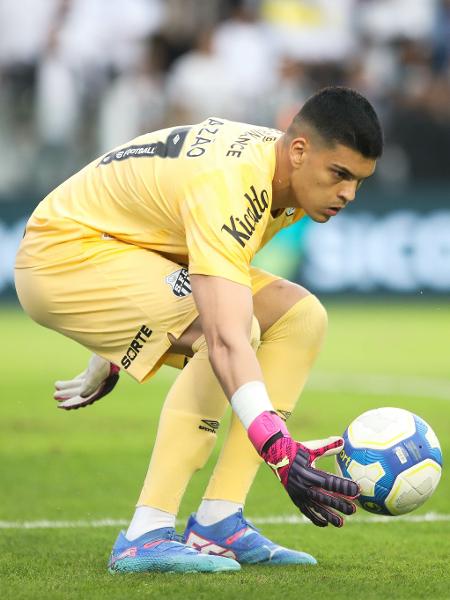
[
  {"x": 249, "y": 401},
  {"x": 252, "y": 405},
  {"x": 265, "y": 430}
]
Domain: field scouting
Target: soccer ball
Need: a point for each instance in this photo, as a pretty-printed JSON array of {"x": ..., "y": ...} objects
[{"x": 394, "y": 456}]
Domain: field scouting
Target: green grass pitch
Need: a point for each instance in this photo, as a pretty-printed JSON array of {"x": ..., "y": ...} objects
[{"x": 88, "y": 465}]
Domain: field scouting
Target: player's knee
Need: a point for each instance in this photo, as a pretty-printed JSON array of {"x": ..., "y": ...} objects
[
  {"x": 317, "y": 316},
  {"x": 305, "y": 321},
  {"x": 311, "y": 321}
]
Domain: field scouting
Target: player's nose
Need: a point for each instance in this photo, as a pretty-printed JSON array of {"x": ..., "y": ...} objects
[{"x": 347, "y": 192}]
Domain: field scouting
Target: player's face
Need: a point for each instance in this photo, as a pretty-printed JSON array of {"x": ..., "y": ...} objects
[{"x": 325, "y": 179}]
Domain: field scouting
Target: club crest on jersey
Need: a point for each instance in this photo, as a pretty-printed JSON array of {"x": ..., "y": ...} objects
[
  {"x": 290, "y": 211},
  {"x": 179, "y": 282}
]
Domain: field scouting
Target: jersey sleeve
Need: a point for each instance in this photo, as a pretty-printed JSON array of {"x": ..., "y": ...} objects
[{"x": 225, "y": 215}]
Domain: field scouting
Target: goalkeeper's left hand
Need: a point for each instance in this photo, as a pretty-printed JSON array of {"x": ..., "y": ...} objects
[
  {"x": 96, "y": 381},
  {"x": 319, "y": 495}
]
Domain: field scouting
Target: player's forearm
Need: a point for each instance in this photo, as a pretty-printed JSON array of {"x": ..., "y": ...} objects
[
  {"x": 230, "y": 329},
  {"x": 234, "y": 364}
]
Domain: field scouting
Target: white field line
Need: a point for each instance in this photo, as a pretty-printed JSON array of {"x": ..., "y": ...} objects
[
  {"x": 430, "y": 517},
  {"x": 380, "y": 385}
]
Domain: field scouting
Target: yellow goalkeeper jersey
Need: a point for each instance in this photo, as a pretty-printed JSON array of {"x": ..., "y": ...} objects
[{"x": 200, "y": 194}]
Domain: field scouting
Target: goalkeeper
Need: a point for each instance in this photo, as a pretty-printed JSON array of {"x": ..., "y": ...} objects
[{"x": 144, "y": 257}]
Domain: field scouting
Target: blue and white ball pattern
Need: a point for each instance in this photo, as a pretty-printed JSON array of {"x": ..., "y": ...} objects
[{"x": 395, "y": 457}]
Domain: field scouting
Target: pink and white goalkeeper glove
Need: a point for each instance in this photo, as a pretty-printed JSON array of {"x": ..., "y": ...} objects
[
  {"x": 96, "y": 381},
  {"x": 316, "y": 493}
]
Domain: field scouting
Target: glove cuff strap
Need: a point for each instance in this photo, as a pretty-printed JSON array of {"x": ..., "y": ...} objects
[
  {"x": 265, "y": 426},
  {"x": 113, "y": 369}
]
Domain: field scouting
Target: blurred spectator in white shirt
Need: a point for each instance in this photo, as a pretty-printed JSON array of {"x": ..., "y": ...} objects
[
  {"x": 95, "y": 38},
  {"x": 384, "y": 20},
  {"x": 248, "y": 56},
  {"x": 312, "y": 31},
  {"x": 199, "y": 85},
  {"x": 292, "y": 89},
  {"x": 92, "y": 40},
  {"x": 24, "y": 29},
  {"x": 135, "y": 102}
]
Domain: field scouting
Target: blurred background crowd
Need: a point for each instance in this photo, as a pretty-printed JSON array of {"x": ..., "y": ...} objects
[{"x": 78, "y": 77}]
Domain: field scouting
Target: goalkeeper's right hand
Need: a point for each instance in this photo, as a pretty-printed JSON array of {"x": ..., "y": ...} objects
[
  {"x": 316, "y": 493},
  {"x": 96, "y": 381}
]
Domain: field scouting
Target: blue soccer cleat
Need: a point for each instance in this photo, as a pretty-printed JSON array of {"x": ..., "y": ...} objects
[
  {"x": 162, "y": 551},
  {"x": 237, "y": 538}
]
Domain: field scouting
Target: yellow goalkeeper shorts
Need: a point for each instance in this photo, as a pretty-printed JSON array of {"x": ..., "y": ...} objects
[{"x": 118, "y": 300}]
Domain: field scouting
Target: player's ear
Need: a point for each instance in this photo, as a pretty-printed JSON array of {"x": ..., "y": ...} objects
[{"x": 297, "y": 151}]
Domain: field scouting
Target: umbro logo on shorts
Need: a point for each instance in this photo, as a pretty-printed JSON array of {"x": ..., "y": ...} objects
[
  {"x": 208, "y": 425},
  {"x": 179, "y": 282}
]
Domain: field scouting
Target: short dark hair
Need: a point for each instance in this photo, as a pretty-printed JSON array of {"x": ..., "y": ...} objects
[{"x": 341, "y": 115}]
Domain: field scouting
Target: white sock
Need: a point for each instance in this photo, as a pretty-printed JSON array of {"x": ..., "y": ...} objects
[
  {"x": 146, "y": 519},
  {"x": 213, "y": 511}
]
